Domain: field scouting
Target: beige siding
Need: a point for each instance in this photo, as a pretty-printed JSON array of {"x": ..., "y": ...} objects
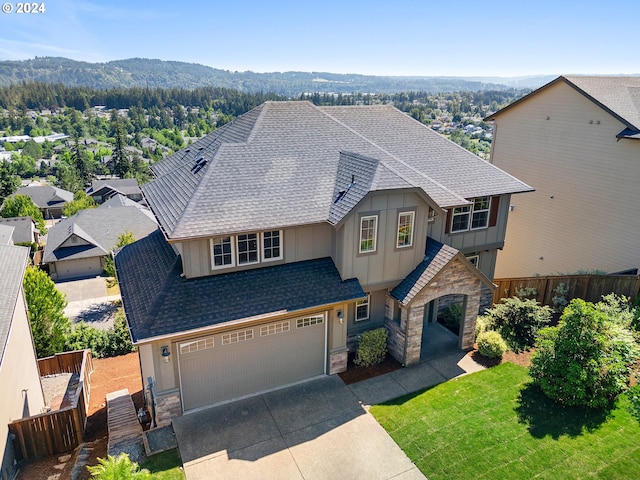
[
  {"x": 388, "y": 263},
  {"x": 305, "y": 242},
  {"x": 19, "y": 375},
  {"x": 82, "y": 267},
  {"x": 581, "y": 215}
]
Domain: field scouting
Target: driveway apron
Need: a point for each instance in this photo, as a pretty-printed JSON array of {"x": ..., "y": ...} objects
[{"x": 313, "y": 430}]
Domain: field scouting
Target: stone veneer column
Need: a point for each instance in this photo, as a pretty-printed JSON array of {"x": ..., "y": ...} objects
[
  {"x": 414, "y": 334},
  {"x": 338, "y": 361},
  {"x": 167, "y": 407},
  {"x": 468, "y": 328}
]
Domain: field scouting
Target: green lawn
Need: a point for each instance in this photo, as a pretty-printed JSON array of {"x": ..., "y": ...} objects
[
  {"x": 494, "y": 425},
  {"x": 165, "y": 466}
]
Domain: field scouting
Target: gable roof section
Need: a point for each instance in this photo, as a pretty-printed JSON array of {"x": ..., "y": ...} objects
[
  {"x": 159, "y": 302},
  {"x": 46, "y": 196},
  {"x": 24, "y": 228},
  {"x": 100, "y": 227},
  {"x": 282, "y": 163},
  {"x": 437, "y": 257},
  {"x": 619, "y": 96},
  {"x": 6, "y": 234},
  {"x": 13, "y": 262}
]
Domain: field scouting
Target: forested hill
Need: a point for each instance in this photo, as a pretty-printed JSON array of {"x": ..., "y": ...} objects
[{"x": 140, "y": 72}]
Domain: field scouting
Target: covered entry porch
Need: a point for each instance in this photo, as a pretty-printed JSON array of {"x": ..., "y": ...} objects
[{"x": 444, "y": 271}]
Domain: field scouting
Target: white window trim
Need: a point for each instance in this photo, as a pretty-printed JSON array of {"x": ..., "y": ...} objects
[
  {"x": 310, "y": 321},
  {"x": 360, "y": 303},
  {"x": 196, "y": 345},
  {"x": 474, "y": 257},
  {"x": 258, "y": 249},
  {"x": 275, "y": 328},
  {"x": 470, "y": 214},
  {"x": 375, "y": 233},
  {"x": 236, "y": 337},
  {"x": 488, "y": 210},
  {"x": 272, "y": 259},
  {"x": 233, "y": 253},
  {"x": 412, "y": 214}
]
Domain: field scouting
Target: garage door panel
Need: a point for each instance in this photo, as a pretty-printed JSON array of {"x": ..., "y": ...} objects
[{"x": 274, "y": 355}]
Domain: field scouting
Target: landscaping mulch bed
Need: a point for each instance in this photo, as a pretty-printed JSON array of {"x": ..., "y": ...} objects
[{"x": 356, "y": 374}]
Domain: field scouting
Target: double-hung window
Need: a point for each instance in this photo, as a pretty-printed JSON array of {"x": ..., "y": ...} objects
[
  {"x": 471, "y": 217},
  {"x": 271, "y": 245},
  {"x": 247, "y": 248},
  {"x": 362, "y": 308},
  {"x": 405, "y": 229},
  {"x": 222, "y": 252},
  {"x": 368, "y": 230}
]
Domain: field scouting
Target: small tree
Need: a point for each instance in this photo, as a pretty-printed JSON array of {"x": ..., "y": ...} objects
[
  {"x": 81, "y": 201},
  {"x": 586, "y": 360},
  {"x": 23, "y": 206},
  {"x": 45, "y": 304},
  {"x": 518, "y": 321},
  {"x": 124, "y": 239}
]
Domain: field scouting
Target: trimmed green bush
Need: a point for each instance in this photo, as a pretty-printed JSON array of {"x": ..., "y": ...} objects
[
  {"x": 372, "y": 348},
  {"x": 103, "y": 343},
  {"x": 483, "y": 324},
  {"x": 518, "y": 321},
  {"x": 587, "y": 359},
  {"x": 451, "y": 317},
  {"x": 491, "y": 344}
]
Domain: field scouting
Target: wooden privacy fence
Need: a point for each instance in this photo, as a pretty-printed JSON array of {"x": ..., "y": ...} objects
[
  {"x": 62, "y": 430},
  {"x": 588, "y": 287}
]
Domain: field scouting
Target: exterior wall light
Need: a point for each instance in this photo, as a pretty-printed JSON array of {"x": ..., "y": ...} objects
[
  {"x": 166, "y": 354},
  {"x": 341, "y": 316}
]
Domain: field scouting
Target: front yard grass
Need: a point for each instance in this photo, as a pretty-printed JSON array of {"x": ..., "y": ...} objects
[
  {"x": 495, "y": 425},
  {"x": 165, "y": 466}
]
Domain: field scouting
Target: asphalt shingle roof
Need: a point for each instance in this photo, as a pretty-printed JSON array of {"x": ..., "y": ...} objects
[
  {"x": 46, "y": 196},
  {"x": 158, "y": 301},
  {"x": 125, "y": 186},
  {"x": 23, "y": 228},
  {"x": 13, "y": 262},
  {"x": 6, "y": 234},
  {"x": 619, "y": 95},
  {"x": 282, "y": 163},
  {"x": 100, "y": 227}
]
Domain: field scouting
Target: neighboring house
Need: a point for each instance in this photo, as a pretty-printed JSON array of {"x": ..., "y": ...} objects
[
  {"x": 6, "y": 234},
  {"x": 575, "y": 140},
  {"x": 77, "y": 246},
  {"x": 24, "y": 229},
  {"x": 50, "y": 200},
  {"x": 22, "y": 394},
  {"x": 103, "y": 190},
  {"x": 289, "y": 231}
]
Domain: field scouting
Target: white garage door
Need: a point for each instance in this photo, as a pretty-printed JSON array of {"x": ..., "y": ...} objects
[
  {"x": 83, "y": 267},
  {"x": 252, "y": 359}
]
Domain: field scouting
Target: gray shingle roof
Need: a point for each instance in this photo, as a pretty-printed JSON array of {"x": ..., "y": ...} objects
[
  {"x": 99, "y": 227},
  {"x": 46, "y": 196},
  {"x": 13, "y": 262},
  {"x": 620, "y": 96},
  {"x": 281, "y": 164},
  {"x": 437, "y": 257},
  {"x": 158, "y": 301},
  {"x": 125, "y": 186},
  {"x": 23, "y": 228},
  {"x": 6, "y": 234}
]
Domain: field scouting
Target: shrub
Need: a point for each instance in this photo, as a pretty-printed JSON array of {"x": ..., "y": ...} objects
[
  {"x": 491, "y": 344},
  {"x": 586, "y": 360},
  {"x": 372, "y": 348},
  {"x": 518, "y": 321},
  {"x": 483, "y": 324},
  {"x": 559, "y": 298},
  {"x": 103, "y": 343},
  {"x": 118, "y": 468},
  {"x": 451, "y": 317}
]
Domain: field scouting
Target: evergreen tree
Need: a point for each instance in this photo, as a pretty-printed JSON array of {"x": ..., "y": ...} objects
[{"x": 9, "y": 182}]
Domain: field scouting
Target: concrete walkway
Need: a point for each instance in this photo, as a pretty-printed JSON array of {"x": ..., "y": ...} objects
[{"x": 319, "y": 429}]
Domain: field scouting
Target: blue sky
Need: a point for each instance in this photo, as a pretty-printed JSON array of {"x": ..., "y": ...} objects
[{"x": 398, "y": 37}]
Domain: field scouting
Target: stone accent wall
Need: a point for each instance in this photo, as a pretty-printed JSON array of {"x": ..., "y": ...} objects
[
  {"x": 338, "y": 361},
  {"x": 414, "y": 332},
  {"x": 167, "y": 407},
  {"x": 486, "y": 299},
  {"x": 395, "y": 333}
]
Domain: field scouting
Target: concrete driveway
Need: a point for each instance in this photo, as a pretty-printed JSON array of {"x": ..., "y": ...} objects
[
  {"x": 314, "y": 430},
  {"x": 88, "y": 301}
]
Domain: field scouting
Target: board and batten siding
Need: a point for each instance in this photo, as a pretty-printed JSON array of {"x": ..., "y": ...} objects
[
  {"x": 21, "y": 390},
  {"x": 581, "y": 215},
  {"x": 305, "y": 242},
  {"x": 387, "y": 263}
]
